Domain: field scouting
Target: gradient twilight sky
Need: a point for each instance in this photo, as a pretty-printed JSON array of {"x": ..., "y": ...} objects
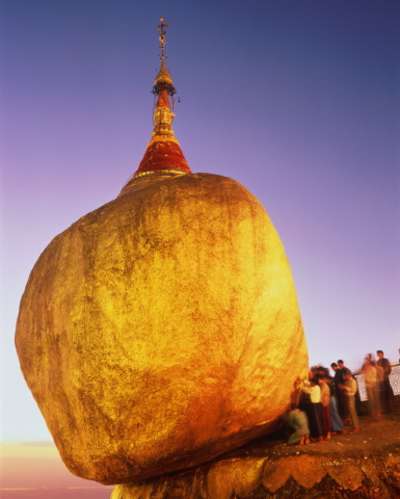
[{"x": 299, "y": 100}]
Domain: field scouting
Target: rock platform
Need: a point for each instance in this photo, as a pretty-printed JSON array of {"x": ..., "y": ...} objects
[{"x": 351, "y": 465}]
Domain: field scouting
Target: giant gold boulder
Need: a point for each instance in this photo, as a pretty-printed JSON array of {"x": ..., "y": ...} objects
[{"x": 161, "y": 329}]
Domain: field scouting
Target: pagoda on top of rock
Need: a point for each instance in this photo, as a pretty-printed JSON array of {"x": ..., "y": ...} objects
[{"x": 163, "y": 154}]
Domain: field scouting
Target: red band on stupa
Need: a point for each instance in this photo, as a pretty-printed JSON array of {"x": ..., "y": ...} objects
[{"x": 163, "y": 155}]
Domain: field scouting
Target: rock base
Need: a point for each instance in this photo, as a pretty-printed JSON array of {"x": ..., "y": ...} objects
[{"x": 365, "y": 464}]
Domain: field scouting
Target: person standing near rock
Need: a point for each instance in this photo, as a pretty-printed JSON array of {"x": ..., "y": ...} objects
[
  {"x": 325, "y": 401},
  {"x": 370, "y": 374},
  {"x": 343, "y": 369},
  {"x": 385, "y": 388},
  {"x": 337, "y": 423},
  {"x": 336, "y": 420},
  {"x": 311, "y": 405},
  {"x": 338, "y": 379},
  {"x": 350, "y": 389},
  {"x": 336, "y": 382}
]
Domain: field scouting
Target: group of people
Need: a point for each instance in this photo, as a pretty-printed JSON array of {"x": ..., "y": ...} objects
[
  {"x": 322, "y": 403},
  {"x": 377, "y": 383}
]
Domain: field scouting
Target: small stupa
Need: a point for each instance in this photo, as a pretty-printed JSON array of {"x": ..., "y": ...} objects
[
  {"x": 163, "y": 155},
  {"x": 161, "y": 329}
]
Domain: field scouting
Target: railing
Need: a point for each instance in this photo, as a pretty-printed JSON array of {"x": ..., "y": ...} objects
[{"x": 394, "y": 379}]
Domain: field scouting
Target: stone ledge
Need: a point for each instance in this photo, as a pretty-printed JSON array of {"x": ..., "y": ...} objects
[{"x": 352, "y": 465}]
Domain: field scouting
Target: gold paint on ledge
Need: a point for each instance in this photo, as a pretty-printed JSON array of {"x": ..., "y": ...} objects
[
  {"x": 163, "y": 138},
  {"x": 164, "y": 171}
]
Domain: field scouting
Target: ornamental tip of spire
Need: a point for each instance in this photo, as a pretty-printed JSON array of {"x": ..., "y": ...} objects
[{"x": 163, "y": 80}]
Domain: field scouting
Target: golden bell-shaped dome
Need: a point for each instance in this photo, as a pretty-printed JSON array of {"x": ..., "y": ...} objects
[{"x": 163, "y": 76}]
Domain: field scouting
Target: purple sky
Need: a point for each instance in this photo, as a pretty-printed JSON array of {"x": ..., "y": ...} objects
[{"x": 298, "y": 100}]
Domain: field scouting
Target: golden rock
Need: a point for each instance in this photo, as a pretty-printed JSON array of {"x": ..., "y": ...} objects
[{"x": 161, "y": 329}]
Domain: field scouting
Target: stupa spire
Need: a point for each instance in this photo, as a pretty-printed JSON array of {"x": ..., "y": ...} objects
[
  {"x": 163, "y": 154},
  {"x": 163, "y": 79},
  {"x": 162, "y": 28}
]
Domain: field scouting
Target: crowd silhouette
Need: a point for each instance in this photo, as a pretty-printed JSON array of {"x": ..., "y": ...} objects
[{"x": 324, "y": 405}]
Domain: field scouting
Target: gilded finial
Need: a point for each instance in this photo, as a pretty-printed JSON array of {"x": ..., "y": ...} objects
[
  {"x": 162, "y": 28},
  {"x": 163, "y": 80}
]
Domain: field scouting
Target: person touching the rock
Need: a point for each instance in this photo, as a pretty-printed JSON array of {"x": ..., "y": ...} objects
[{"x": 311, "y": 404}]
